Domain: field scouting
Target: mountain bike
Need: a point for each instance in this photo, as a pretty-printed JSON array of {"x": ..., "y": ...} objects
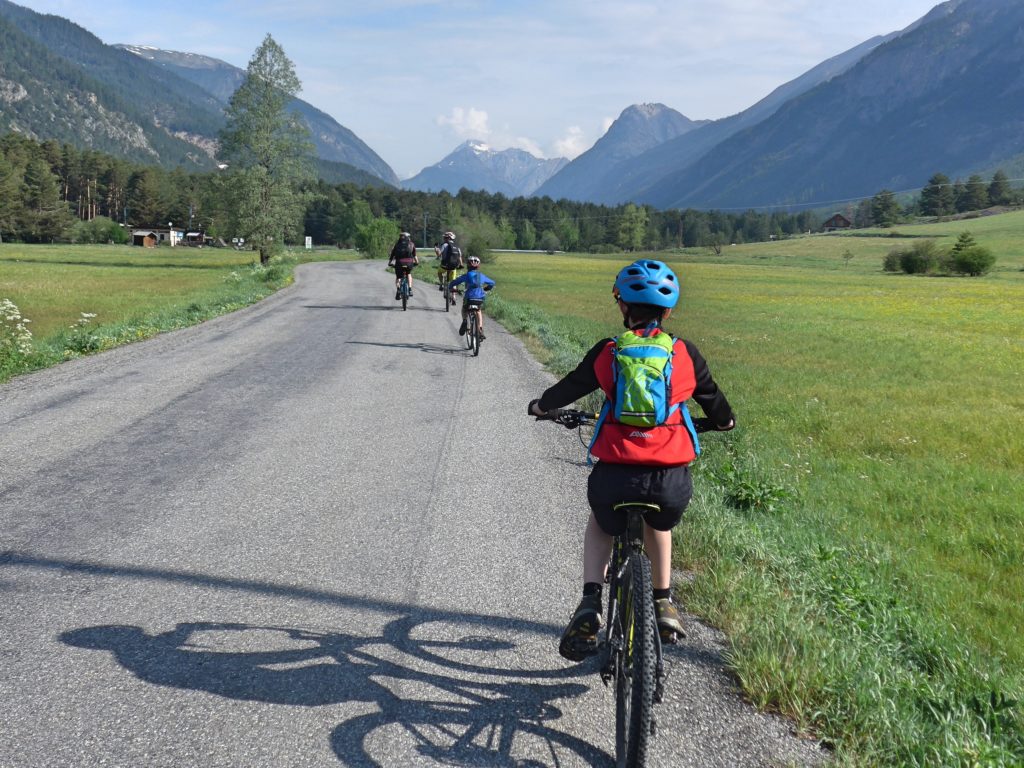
[
  {"x": 630, "y": 651},
  {"x": 473, "y": 336},
  {"x": 404, "y": 290},
  {"x": 449, "y": 296}
]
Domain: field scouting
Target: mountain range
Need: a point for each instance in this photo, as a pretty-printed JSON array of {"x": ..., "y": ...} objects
[
  {"x": 474, "y": 165},
  {"x": 945, "y": 94},
  {"x": 59, "y": 81}
]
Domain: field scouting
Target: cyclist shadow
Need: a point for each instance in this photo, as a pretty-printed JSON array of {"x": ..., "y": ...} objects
[
  {"x": 441, "y": 698},
  {"x": 433, "y": 349}
]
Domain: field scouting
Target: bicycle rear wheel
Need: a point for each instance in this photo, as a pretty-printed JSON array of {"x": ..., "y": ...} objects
[
  {"x": 444, "y": 294},
  {"x": 470, "y": 329},
  {"x": 405, "y": 292},
  {"x": 635, "y": 675}
]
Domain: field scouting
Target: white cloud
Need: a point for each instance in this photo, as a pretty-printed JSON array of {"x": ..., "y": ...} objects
[
  {"x": 468, "y": 123},
  {"x": 606, "y": 123},
  {"x": 573, "y": 144}
]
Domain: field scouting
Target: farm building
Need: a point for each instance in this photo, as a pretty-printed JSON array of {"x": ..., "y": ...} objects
[
  {"x": 147, "y": 238},
  {"x": 837, "y": 221}
]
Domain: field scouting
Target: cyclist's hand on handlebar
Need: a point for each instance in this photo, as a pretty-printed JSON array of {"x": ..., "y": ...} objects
[{"x": 533, "y": 409}]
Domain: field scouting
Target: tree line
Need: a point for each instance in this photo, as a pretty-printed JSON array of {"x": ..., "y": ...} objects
[
  {"x": 53, "y": 192},
  {"x": 940, "y": 197}
]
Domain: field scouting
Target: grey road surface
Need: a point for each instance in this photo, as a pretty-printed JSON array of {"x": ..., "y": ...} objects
[{"x": 313, "y": 533}]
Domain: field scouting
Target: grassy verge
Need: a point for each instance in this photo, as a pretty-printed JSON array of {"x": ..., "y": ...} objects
[
  {"x": 85, "y": 299},
  {"x": 860, "y": 537}
]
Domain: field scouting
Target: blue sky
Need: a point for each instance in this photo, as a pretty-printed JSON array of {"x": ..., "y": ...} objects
[{"x": 415, "y": 78}]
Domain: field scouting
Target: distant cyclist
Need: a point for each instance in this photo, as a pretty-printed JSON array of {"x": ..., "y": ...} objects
[
  {"x": 403, "y": 259},
  {"x": 477, "y": 284},
  {"x": 450, "y": 260}
]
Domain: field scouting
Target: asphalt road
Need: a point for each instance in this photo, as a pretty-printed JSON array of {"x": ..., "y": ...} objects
[{"x": 315, "y": 532}]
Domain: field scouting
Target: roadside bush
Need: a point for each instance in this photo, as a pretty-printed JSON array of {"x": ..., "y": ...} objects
[
  {"x": 891, "y": 262},
  {"x": 605, "y": 248},
  {"x": 99, "y": 230},
  {"x": 974, "y": 261},
  {"x": 921, "y": 258}
]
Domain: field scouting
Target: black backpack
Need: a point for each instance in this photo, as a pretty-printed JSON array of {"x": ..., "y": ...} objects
[
  {"x": 451, "y": 256},
  {"x": 402, "y": 249}
]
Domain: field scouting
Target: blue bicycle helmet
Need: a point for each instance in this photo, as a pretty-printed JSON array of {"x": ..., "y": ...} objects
[{"x": 647, "y": 281}]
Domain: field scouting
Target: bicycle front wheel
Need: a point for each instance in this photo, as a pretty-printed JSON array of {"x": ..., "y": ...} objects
[{"x": 635, "y": 676}]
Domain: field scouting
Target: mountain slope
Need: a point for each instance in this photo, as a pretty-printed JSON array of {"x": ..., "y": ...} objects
[
  {"x": 947, "y": 94},
  {"x": 93, "y": 96},
  {"x": 333, "y": 142},
  {"x": 639, "y": 128},
  {"x": 626, "y": 181},
  {"x": 474, "y": 165}
]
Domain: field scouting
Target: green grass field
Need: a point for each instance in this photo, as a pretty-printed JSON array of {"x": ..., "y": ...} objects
[
  {"x": 881, "y": 424},
  {"x": 132, "y": 292}
]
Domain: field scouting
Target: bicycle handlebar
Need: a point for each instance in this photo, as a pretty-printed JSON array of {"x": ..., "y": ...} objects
[{"x": 570, "y": 418}]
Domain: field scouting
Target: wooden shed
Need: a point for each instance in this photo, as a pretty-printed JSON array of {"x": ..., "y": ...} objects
[{"x": 147, "y": 238}]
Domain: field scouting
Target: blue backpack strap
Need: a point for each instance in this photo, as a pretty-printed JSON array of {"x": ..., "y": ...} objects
[
  {"x": 605, "y": 409},
  {"x": 597, "y": 428},
  {"x": 690, "y": 428}
]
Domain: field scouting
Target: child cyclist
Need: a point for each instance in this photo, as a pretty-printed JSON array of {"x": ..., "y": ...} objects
[
  {"x": 648, "y": 464},
  {"x": 477, "y": 284}
]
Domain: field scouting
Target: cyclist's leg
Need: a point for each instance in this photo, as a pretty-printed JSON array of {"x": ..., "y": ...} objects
[
  {"x": 659, "y": 550},
  {"x": 597, "y": 549},
  {"x": 579, "y": 639}
]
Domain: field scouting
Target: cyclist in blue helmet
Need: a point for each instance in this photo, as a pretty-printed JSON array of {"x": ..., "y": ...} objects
[{"x": 649, "y": 464}]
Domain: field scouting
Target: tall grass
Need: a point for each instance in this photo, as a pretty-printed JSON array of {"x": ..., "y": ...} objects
[{"x": 860, "y": 536}]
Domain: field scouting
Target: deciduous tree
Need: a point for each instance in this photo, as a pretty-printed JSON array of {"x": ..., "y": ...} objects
[{"x": 267, "y": 151}]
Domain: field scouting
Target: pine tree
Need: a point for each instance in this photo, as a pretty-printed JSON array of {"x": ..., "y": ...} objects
[
  {"x": 937, "y": 197},
  {"x": 884, "y": 209},
  {"x": 976, "y": 193},
  {"x": 999, "y": 190}
]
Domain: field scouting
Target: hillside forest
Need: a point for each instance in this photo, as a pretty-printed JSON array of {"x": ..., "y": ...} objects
[{"x": 52, "y": 192}]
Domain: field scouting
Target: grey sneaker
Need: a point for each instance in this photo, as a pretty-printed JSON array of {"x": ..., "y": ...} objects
[
  {"x": 670, "y": 622},
  {"x": 579, "y": 639}
]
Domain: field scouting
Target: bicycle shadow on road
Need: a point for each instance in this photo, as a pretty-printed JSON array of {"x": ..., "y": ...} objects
[
  {"x": 368, "y": 307},
  {"x": 433, "y": 349},
  {"x": 427, "y": 700},
  {"x": 457, "y": 687}
]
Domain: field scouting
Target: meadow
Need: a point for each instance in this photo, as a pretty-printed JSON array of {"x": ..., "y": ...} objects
[
  {"x": 86, "y": 298},
  {"x": 860, "y": 536}
]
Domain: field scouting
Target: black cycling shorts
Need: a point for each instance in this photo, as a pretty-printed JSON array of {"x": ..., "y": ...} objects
[
  {"x": 402, "y": 269},
  {"x": 610, "y": 484},
  {"x": 471, "y": 303}
]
